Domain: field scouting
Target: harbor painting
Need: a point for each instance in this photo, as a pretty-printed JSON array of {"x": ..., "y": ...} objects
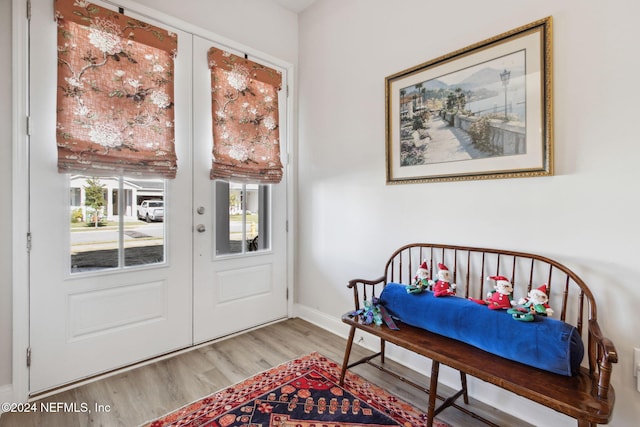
[
  {"x": 481, "y": 112},
  {"x": 448, "y": 118}
]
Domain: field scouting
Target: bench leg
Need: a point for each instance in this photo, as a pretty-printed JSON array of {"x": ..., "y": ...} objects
[
  {"x": 382, "y": 350},
  {"x": 347, "y": 353},
  {"x": 584, "y": 423},
  {"x": 463, "y": 381},
  {"x": 433, "y": 387}
]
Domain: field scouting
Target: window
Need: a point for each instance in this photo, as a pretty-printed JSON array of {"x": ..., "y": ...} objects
[
  {"x": 242, "y": 217},
  {"x": 116, "y": 222}
]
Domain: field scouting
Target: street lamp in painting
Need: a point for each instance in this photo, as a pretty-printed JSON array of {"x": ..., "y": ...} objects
[{"x": 504, "y": 76}]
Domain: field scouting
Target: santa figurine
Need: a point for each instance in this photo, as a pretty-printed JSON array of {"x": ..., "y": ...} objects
[
  {"x": 500, "y": 297},
  {"x": 443, "y": 286},
  {"x": 535, "y": 303},
  {"x": 421, "y": 280}
]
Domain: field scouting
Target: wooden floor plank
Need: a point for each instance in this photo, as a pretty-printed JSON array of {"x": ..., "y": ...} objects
[{"x": 150, "y": 391}]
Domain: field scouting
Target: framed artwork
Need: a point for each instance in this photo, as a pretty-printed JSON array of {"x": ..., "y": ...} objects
[{"x": 481, "y": 112}]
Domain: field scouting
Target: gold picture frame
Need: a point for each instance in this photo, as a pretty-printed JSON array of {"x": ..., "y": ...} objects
[{"x": 481, "y": 112}]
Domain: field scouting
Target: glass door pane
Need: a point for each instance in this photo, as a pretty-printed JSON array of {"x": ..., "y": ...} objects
[
  {"x": 116, "y": 222},
  {"x": 144, "y": 241},
  {"x": 242, "y": 217}
]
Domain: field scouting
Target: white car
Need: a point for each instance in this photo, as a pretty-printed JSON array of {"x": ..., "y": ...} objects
[{"x": 151, "y": 210}]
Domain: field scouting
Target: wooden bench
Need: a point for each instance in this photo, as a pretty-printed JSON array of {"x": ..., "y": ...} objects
[{"x": 586, "y": 396}]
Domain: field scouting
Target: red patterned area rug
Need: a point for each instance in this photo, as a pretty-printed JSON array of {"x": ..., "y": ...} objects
[{"x": 300, "y": 393}]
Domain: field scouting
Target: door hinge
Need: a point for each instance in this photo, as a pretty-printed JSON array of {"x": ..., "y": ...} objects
[
  {"x": 286, "y": 226},
  {"x": 28, "y": 356},
  {"x": 28, "y": 125},
  {"x": 28, "y": 10},
  {"x": 287, "y": 296},
  {"x": 29, "y": 242}
]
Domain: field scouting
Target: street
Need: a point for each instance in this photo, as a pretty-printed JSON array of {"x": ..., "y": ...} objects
[{"x": 144, "y": 234}]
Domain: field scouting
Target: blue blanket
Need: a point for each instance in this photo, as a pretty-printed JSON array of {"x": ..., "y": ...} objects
[{"x": 546, "y": 343}]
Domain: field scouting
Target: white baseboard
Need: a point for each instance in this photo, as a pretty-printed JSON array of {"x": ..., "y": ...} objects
[
  {"x": 6, "y": 395},
  {"x": 505, "y": 401},
  {"x": 323, "y": 320}
]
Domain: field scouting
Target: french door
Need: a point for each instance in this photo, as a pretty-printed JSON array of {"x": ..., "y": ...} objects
[
  {"x": 109, "y": 289},
  {"x": 239, "y": 256}
]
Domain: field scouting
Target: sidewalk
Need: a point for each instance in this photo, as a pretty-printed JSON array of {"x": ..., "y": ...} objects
[{"x": 449, "y": 144}]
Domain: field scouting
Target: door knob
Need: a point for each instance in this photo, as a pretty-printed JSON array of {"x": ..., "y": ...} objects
[{"x": 201, "y": 228}]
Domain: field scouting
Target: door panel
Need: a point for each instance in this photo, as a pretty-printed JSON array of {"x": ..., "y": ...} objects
[
  {"x": 88, "y": 322},
  {"x": 237, "y": 286},
  {"x": 105, "y": 311}
]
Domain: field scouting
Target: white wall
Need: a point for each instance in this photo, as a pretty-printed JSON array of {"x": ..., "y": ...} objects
[
  {"x": 585, "y": 216},
  {"x": 258, "y": 24}
]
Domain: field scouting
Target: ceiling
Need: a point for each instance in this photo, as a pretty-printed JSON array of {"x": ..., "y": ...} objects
[{"x": 296, "y": 6}]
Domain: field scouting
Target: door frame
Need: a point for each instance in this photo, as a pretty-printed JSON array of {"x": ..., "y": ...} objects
[
  {"x": 20, "y": 199},
  {"x": 19, "y": 388}
]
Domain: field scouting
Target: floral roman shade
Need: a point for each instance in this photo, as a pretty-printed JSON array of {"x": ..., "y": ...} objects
[
  {"x": 244, "y": 98},
  {"x": 115, "y": 111}
]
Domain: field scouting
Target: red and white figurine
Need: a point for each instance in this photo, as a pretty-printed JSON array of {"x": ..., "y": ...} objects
[
  {"x": 501, "y": 296},
  {"x": 443, "y": 286}
]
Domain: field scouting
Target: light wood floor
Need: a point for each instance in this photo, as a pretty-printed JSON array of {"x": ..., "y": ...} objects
[{"x": 153, "y": 390}]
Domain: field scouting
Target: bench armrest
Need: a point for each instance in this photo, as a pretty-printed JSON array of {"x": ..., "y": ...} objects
[
  {"x": 377, "y": 281},
  {"x": 604, "y": 353},
  {"x": 353, "y": 284}
]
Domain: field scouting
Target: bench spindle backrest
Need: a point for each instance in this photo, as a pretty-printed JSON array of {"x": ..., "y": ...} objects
[{"x": 470, "y": 267}]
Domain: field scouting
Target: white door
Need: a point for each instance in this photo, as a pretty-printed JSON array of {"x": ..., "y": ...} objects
[
  {"x": 240, "y": 241},
  {"x": 95, "y": 305},
  {"x": 97, "y": 302}
]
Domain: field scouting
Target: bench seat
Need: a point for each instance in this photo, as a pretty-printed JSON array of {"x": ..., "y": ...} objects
[{"x": 569, "y": 395}]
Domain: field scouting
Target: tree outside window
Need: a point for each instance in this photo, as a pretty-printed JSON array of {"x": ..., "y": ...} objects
[{"x": 94, "y": 199}]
